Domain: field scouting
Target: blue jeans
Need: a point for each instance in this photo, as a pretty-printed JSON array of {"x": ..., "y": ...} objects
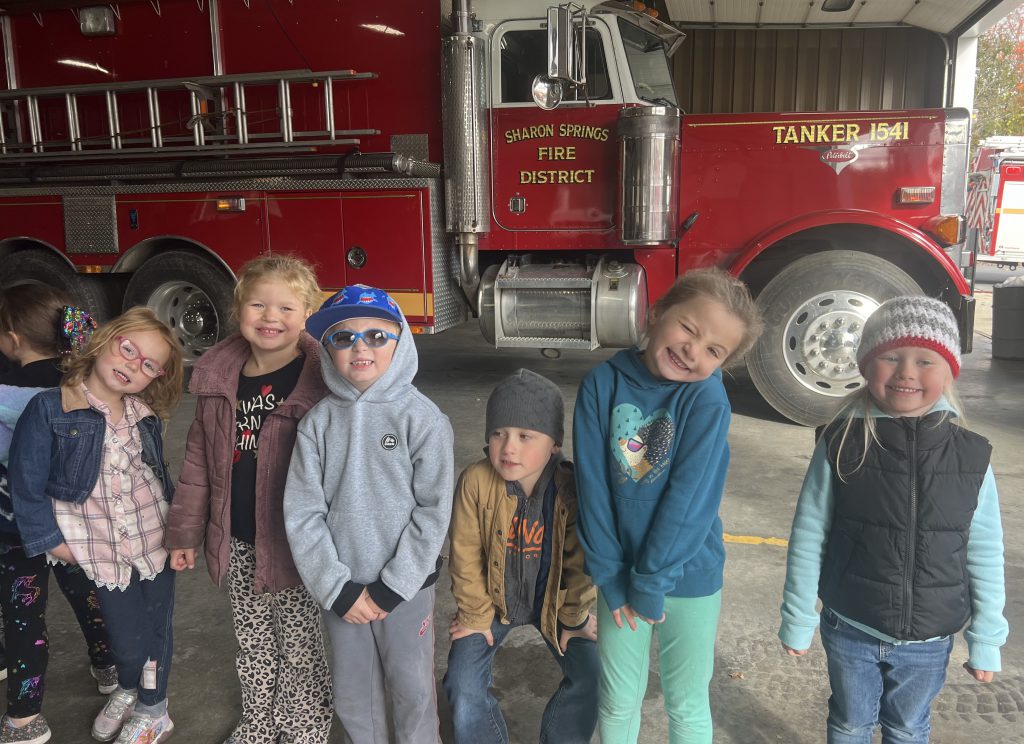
[
  {"x": 570, "y": 716},
  {"x": 874, "y": 682},
  {"x": 138, "y": 622}
]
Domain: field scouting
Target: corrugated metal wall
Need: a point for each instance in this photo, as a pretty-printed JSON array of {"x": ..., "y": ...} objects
[{"x": 745, "y": 70}]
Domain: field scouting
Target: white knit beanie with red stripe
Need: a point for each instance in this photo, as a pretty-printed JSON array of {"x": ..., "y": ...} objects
[{"x": 913, "y": 320}]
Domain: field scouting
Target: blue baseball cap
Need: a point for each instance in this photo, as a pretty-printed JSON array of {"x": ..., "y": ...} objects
[{"x": 353, "y": 301}]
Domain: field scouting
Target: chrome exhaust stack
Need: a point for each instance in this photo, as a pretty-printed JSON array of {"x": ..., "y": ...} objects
[{"x": 467, "y": 175}]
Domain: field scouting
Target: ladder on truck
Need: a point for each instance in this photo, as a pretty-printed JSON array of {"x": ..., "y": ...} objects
[{"x": 218, "y": 123}]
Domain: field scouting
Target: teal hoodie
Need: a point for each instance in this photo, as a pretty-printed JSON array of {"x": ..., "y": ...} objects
[
  {"x": 987, "y": 630},
  {"x": 651, "y": 458}
]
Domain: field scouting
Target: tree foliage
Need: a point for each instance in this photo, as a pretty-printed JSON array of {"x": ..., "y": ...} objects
[{"x": 999, "y": 86}]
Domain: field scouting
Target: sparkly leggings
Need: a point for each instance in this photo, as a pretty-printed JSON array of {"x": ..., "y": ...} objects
[{"x": 24, "y": 588}]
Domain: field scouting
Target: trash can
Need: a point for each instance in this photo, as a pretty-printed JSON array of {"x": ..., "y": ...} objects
[{"x": 1008, "y": 322}]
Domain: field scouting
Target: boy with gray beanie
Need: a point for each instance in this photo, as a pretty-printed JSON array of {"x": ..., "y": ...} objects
[{"x": 516, "y": 560}]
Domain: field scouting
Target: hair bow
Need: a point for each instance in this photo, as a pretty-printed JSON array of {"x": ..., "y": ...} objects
[{"x": 77, "y": 326}]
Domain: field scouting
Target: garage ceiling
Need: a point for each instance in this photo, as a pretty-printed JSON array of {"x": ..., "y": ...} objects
[{"x": 941, "y": 16}]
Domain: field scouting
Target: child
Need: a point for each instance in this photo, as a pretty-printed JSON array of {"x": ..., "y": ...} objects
[
  {"x": 651, "y": 456},
  {"x": 91, "y": 488},
  {"x": 897, "y": 530},
  {"x": 516, "y": 560},
  {"x": 367, "y": 505},
  {"x": 38, "y": 325},
  {"x": 253, "y": 388}
]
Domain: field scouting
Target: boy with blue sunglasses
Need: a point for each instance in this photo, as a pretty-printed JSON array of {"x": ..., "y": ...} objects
[{"x": 367, "y": 506}]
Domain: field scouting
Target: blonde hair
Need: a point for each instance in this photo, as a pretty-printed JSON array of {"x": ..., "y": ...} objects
[
  {"x": 33, "y": 310},
  {"x": 296, "y": 273},
  {"x": 162, "y": 393},
  {"x": 716, "y": 284},
  {"x": 858, "y": 405}
]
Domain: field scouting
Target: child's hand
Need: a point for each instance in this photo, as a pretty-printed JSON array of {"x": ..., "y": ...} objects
[
  {"x": 630, "y": 614},
  {"x": 63, "y": 552},
  {"x": 183, "y": 558},
  {"x": 457, "y": 630},
  {"x": 792, "y": 651},
  {"x": 375, "y": 607},
  {"x": 588, "y": 631},
  {"x": 360, "y": 612},
  {"x": 979, "y": 674}
]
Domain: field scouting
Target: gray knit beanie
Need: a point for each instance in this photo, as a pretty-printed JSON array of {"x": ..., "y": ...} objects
[
  {"x": 912, "y": 320},
  {"x": 526, "y": 400}
]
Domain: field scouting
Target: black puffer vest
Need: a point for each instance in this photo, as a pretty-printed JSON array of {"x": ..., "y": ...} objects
[{"x": 896, "y": 558}]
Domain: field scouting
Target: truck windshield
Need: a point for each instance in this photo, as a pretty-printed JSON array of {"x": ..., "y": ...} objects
[{"x": 648, "y": 64}]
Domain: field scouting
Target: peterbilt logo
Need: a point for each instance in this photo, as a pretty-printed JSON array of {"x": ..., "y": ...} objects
[{"x": 838, "y": 158}]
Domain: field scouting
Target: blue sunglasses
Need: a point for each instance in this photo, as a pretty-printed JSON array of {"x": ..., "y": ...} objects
[{"x": 374, "y": 338}]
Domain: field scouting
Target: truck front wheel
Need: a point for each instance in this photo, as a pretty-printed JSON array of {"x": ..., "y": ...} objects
[
  {"x": 190, "y": 294},
  {"x": 805, "y": 363}
]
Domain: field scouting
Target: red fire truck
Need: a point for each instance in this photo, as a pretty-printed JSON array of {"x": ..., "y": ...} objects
[
  {"x": 522, "y": 163},
  {"x": 995, "y": 200}
]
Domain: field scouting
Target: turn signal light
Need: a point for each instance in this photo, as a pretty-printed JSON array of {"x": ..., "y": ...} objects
[
  {"x": 948, "y": 228},
  {"x": 917, "y": 195}
]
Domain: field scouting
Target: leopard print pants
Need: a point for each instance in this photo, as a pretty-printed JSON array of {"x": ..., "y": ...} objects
[{"x": 282, "y": 668}]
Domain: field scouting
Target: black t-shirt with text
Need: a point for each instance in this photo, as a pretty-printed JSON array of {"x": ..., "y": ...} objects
[{"x": 257, "y": 397}]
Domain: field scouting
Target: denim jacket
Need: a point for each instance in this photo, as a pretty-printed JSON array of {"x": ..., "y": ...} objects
[{"x": 56, "y": 454}]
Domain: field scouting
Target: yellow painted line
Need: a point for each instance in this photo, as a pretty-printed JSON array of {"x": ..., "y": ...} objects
[
  {"x": 751, "y": 540},
  {"x": 1007, "y": 210}
]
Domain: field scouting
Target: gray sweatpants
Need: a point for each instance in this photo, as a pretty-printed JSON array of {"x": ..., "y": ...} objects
[{"x": 396, "y": 654}]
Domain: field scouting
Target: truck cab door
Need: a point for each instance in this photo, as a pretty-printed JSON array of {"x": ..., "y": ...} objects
[{"x": 552, "y": 170}]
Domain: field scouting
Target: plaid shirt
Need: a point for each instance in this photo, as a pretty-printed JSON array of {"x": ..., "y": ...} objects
[{"x": 121, "y": 525}]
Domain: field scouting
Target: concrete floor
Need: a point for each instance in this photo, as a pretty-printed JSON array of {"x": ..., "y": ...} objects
[{"x": 758, "y": 694}]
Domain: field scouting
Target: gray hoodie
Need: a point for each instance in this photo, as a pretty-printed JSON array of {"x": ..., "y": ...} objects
[{"x": 369, "y": 492}]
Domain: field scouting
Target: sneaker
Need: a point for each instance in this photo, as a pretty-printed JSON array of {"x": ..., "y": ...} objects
[
  {"x": 31, "y": 733},
  {"x": 143, "y": 729},
  {"x": 106, "y": 678},
  {"x": 120, "y": 705}
]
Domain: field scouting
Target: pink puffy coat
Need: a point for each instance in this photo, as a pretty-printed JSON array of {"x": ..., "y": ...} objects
[{"x": 202, "y": 502}]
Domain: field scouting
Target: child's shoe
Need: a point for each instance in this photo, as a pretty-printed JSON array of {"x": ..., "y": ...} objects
[
  {"x": 143, "y": 729},
  {"x": 106, "y": 678},
  {"x": 120, "y": 706},
  {"x": 31, "y": 733}
]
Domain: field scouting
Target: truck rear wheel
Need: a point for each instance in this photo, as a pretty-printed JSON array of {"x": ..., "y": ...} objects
[
  {"x": 814, "y": 311},
  {"x": 190, "y": 294},
  {"x": 42, "y": 266}
]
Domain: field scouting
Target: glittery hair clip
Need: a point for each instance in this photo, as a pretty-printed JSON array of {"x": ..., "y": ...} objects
[{"x": 77, "y": 326}]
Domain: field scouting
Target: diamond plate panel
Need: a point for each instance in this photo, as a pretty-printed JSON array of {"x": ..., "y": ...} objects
[
  {"x": 450, "y": 308},
  {"x": 89, "y": 225},
  {"x": 413, "y": 145}
]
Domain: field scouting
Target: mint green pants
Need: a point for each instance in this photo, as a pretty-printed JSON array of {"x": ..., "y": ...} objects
[{"x": 686, "y": 642}]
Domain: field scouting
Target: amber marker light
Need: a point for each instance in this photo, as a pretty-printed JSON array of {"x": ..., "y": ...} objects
[
  {"x": 230, "y": 204},
  {"x": 90, "y": 269},
  {"x": 917, "y": 195}
]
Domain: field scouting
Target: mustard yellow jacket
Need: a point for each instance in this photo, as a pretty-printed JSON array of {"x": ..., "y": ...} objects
[{"x": 481, "y": 517}]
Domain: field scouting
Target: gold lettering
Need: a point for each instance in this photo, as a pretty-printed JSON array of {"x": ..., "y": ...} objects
[{"x": 852, "y": 132}]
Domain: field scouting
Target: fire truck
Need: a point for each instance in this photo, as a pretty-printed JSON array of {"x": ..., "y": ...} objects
[
  {"x": 995, "y": 200},
  {"x": 518, "y": 161}
]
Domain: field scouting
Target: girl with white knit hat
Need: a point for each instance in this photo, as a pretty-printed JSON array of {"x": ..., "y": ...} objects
[{"x": 897, "y": 531}]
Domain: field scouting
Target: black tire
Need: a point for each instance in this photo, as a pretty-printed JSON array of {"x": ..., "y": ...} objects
[
  {"x": 189, "y": 293},
  {"x": 805, "y": 363},
  {"x": 48, "y": 268}
]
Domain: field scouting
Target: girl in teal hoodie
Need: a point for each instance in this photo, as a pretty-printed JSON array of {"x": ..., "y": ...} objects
[{"x": 650, "y": 444}]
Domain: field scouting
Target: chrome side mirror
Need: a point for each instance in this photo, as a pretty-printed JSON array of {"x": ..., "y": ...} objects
[{"x": 547, "y": 92}]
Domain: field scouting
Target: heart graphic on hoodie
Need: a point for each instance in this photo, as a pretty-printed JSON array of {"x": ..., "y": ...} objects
[
  {"x": 265, "y": 390},
  {"x": 641, "y": 444}
]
